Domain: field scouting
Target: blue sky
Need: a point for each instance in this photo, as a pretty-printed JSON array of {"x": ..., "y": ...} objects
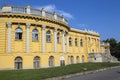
[{"x": 102, "y": 16}]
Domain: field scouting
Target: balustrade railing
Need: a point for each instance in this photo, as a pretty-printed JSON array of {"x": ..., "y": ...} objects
[
  {"x": 35, "y": 11},
  {"x": 104, "y": 44},
  {"x": 18, "y": 9},
  {"x": 49, "y": 14},
  {"x": 28, "y": 10},
  {"x": 60, "y": 18}
]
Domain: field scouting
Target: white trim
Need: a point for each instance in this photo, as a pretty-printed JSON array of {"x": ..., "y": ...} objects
[
  {"x": 85, "y": 31},
  {"x": 43, "y": 38},
  {"x": 27, "y": 37},
  {"x": 63, "y": 41},
  {"x": 9, "y": 25},
  {"x": 55, "y": 40},
  {"x": 67, "y": 43}
]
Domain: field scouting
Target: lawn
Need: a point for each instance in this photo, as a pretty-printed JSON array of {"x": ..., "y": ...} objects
[{"x": 43, "y": 73}]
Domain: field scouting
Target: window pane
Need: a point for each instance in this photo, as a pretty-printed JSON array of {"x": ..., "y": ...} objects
[
  {"x": 81, "y": 42},
  {"x": 34, "y": 34},
  {"x": 48, "y": 36},
  {"x": 18, "y": 33},
  {"x": 58, "y": 38},
  {"x": 75, "y": 42},
  {"x": 70, "y": 41}
]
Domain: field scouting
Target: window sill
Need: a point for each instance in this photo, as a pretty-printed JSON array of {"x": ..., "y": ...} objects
[
  {"x": 35, "y": 40},
  {"x": 48, "y": 42},
  {"x": 59, "y": 43},
  {"x": 18, "y": 39},
  {"x": 76, "y": 46}
]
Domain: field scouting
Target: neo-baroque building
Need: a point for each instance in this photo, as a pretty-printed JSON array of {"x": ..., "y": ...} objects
[{"x": 32, "y": 38}]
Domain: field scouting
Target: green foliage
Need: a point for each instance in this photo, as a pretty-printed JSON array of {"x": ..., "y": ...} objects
[
  {"x": 43, "y": 73},
  {"x": 114, "y": 47}
]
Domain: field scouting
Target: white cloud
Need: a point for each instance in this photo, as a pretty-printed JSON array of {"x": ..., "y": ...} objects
[
  {"x": 53, "y": 8},
  {"x": 50, "y": 7},
  {"x": 67, "y": 15}
]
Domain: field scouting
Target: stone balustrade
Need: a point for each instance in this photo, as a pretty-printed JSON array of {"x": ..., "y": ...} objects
[
  {"x": 104, "y": 44},
  {"x": 29, "y": 10}
]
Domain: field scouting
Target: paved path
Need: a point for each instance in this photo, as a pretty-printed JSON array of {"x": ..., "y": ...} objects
[{"x": 112, "y": 74}]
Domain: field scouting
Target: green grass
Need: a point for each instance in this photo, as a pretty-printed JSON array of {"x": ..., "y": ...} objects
[{"x": 40, "y": 74}]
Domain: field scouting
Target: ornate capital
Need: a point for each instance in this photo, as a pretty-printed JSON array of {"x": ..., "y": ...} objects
[
  {"x": 43, "y": 27},
  {"x": 9, "y": 24},
  {"x": 27, "y": 25},
  {"x": 63, "y": 32},
  {"x": 55, "y": 29}
]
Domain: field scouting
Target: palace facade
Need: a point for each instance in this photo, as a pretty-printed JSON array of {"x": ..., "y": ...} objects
[{"x": 32, "y": 38}]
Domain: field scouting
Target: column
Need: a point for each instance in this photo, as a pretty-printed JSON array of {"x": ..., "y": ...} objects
[
  {"x": 63, "y": 41},
  {"x": 67, "y": 43},
  {"x": 9, "y": 25},
  {"x": 55, "y": 40},
  {"x": 27, "y": 37},
  {"x": 43, "y": 38}
]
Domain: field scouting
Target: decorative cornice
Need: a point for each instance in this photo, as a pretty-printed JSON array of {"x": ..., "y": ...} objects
[
  {"x": 85, "y": 32},
  {"x": 35, "y": 17}
]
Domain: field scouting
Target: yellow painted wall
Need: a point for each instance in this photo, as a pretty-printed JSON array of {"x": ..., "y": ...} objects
[
  {"x": 19, "y": 46},
  {"x": 2, "y": 37}
]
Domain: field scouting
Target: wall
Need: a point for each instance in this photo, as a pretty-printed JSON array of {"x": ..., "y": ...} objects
[{"x": 19, "y": 46}]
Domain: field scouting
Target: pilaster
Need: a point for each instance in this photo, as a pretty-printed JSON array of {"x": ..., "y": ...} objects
[
  {"x": 55, "y": 40},
  {"x": 43, "y": 38},
  {"x": 63, "y": 41},
  {"x": 27, "y": 37},
  {"x": 67, "y": 43},
  {"x": 9, "y": 25}
]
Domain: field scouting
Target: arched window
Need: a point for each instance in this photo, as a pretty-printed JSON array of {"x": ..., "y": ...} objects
[
  {"x": 35, "y": 34},
  {"x": 18, "y": 63},
  {"x": 70, "y": 41},
  {"x": 36, "y": 63},
  {"x": 81, "y": 42},
  {"x": 48, "y": 36},
  {"x": 58, "y": 37},
  {"x": 92, "y": 50},
  {"x": 72, "y": 59},
  {"x": 83, "y": 59},
  {"x": 18, "y": 33},
  {"x": 76, "y": 44},
  {"x": 51, "y": 61},
  {"x": 77, "y": 59},
  {"x": 62, "y": 61}
]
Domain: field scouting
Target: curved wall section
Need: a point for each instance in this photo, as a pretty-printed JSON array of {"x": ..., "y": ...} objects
[{"x": 29, "y": 32}]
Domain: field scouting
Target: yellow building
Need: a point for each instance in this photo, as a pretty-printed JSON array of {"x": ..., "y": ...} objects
[{"x": 32, "y": 38}]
